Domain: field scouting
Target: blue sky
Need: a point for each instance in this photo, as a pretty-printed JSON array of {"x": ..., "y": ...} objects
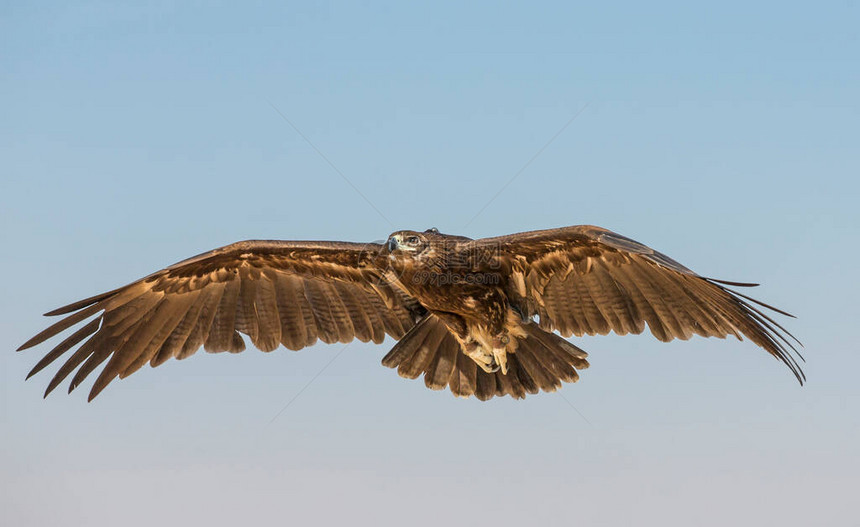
[{"x": 133, "y": 136}]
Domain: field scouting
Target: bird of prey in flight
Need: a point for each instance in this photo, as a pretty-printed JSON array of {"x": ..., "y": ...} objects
[{"x": 476, "y": 316}]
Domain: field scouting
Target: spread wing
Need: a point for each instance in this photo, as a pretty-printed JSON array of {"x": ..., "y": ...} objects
[
  {"x": 588, "y": 280},
  {"x": 275, "y": 292}
]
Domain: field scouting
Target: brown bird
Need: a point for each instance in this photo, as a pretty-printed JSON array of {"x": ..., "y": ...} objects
[{"x": 476, "y": 316}]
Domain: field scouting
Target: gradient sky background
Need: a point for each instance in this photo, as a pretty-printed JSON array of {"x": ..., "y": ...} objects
[{"x": 725, "y": 136}]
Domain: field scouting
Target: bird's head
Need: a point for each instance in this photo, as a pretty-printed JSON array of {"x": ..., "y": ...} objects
[{"x": 411, "y": 243}]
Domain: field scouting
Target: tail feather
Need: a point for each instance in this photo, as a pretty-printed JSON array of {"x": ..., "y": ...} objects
[
  {"x": 563, "y": 358},
  {"x": 425, "y": 351},
  {"x": 442, "y": 366},
  {"x": 464, "y": 378},
  {"x": 485, "y": 387},
  {"x": 536, "y": 368},
  {"x": 543, "y": 361},
  {"x": 510, "y": 384}
]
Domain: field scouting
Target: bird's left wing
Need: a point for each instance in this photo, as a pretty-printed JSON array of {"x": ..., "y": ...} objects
[
  {"x": 589, "y": 280},
  {"x": 275, "y": 292}
]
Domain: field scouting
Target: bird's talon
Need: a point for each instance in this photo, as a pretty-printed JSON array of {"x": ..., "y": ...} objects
[{"x": 500, "y": 357}]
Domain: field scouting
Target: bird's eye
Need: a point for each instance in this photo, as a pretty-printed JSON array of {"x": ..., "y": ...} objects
[{"x": 412, "y": 240}]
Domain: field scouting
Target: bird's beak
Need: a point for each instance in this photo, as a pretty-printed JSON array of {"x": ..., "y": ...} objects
[{"x": 392, "y": 244}]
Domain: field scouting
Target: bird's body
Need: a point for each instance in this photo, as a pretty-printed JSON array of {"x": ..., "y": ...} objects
[
  {"x": 462, "y": 287},
  {"x": 476, "y": 316}
]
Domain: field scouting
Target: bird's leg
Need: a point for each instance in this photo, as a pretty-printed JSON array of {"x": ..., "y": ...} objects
[
  {"x": 485, "y": 360},
  {"x": 500, "y": 352},
  {"x": 490, "y": 358},
  {"x": 488, "y": 345},
  {"x": 499, "y": 338},
  {"x": 471, "y": 347}
]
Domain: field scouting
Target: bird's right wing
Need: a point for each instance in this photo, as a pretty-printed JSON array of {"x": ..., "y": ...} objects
[
  {"x": 275, "y": 292},
  {"x": 589, "y": 280}
]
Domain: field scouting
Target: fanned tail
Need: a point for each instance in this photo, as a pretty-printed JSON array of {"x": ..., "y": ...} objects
[{"x": 542, "y": 361}]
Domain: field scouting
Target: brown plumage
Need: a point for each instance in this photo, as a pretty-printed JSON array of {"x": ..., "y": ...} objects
[{"x": 475, "y": 316}]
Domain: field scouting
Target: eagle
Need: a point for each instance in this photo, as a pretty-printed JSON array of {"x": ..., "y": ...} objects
[{"x": 481, "y": 317}]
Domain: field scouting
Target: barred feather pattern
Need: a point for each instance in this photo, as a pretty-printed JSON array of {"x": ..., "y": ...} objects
[
  {"x": 542, "y": 362},
  {"x": 275, "y": 293},
  {"x": 580, "y": 280},
  {"x": 586, "y": 280}
]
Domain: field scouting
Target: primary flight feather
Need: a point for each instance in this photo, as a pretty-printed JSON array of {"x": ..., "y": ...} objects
[{"x": 476, "y": 316}]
